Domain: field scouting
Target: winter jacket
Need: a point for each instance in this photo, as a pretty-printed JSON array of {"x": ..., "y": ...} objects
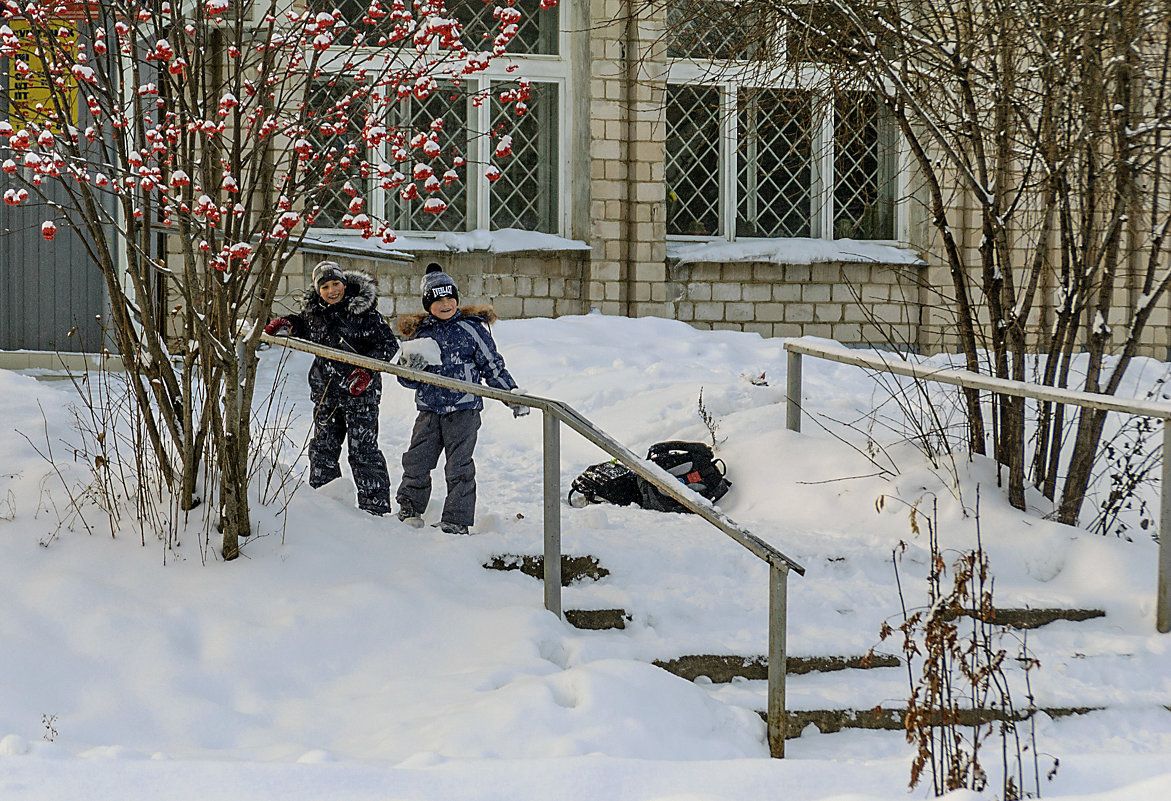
[
  {"x": 469, "y": 354},
  {"x": 352, "y": 324}
]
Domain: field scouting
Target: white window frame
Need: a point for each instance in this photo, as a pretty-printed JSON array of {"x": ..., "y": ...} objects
[
  {"x": 728, "y": 79},
  {"x": 539, "y": 68}
]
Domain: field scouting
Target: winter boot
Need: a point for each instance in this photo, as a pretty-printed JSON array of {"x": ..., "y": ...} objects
[
  {"x": 453, "y": 528},
  {"x": 408, "y": 515}
]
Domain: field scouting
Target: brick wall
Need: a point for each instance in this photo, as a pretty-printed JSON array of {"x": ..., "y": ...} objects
[
  {"x": 853, "y": 303},
  {"x": 525, "y": 284},
  {"x": 628, "y": 231}
]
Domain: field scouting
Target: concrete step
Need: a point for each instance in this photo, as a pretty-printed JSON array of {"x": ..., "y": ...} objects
[
  {"x": 1033, "y": 618},
  {"x": 829, "y": 721},
  {"x": 722, "y": 669},
  {"x": 573, "y": 568},
  {"x": 597, "y": 618}
]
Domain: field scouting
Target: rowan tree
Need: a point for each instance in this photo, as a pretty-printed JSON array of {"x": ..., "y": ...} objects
[{"x": 191, "y": 146}]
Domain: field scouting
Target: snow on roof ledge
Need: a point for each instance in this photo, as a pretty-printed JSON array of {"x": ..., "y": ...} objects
[
  {"x": 506, "y": 240},
  {"x": 795, "y": 250}
]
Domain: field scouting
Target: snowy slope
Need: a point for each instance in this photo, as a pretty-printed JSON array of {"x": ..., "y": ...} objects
[{"x": 350, "y": 657}]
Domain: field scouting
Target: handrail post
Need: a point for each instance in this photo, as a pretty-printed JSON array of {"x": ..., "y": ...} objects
[
  {"x": 1163, "y": 597},
  {"x": 793, "y": 399},
  {"x": 778, "y": 603},
  {"x": 552, "y": 512}
]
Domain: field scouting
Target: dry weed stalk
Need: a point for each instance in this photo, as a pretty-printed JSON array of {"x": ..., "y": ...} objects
[{"x": 960, "y": 700}]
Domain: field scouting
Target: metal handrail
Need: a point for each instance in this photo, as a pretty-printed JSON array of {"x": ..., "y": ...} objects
[
  {"x": 1004, "y": 386},
  {"x": 555, "y": 412}
]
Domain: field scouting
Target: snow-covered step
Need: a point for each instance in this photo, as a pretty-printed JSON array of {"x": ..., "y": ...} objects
[
  {"x": 1034, "y": 618},
  {"x": 724, "y": 668},
  {"x": 573, "y": 568},
  {"x": 829, "y": 721},
  {"x": 597, "y": 618}
]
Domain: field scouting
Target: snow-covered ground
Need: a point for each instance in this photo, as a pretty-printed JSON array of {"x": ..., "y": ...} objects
[{"x": 350, "y": 657}]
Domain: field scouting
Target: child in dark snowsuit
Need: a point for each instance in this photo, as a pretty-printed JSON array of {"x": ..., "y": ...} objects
[
  {"x": 340, "y": 311},
  {"x": 449, "y": 420}
]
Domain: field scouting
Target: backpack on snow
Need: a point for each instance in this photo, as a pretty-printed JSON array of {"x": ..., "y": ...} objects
[
  {"x": 608, "y": 481},
  {"x": 690, "y": 462}
]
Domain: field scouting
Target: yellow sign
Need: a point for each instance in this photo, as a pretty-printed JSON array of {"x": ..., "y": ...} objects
[{"x": 34, "y": 95}]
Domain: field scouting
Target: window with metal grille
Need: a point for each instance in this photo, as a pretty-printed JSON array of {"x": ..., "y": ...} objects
[
  {"x": 354, "y": 13},
  {"x": 865, "y": 164},
  {"x": 527, "y": 191},
  {"x": 715, "y": 29},
  {"x": 693, "y": 160},
  {"x": 336, "y": 133},
  {"x": 777, "y": 162},
  {"x": 774, "y": 163},
  {"x": 525, "y": 195},
  {"x": 411, "y": 116},
  {"x": 537, "y": 30}
]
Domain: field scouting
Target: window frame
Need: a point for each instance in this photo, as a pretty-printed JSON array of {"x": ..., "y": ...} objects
[
  {"x": 537, "y": 67},
  {"x": 729, "y": 77}
]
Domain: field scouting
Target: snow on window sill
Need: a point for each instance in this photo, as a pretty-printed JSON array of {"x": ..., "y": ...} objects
[
  {"x": 507, "y": 240},
  {"x": 794, "y": 250}
]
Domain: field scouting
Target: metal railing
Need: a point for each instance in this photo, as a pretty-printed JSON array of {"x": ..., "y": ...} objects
[
  {"x": 1003, "y": 386},
  {"x": 556, "y": 413}
]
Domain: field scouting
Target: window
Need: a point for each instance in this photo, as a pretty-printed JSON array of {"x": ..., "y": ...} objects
[
  {"x": 527, "y": 192},
  {"x": 865, "y": 163},
  {"x": 335, "y": 132},
  {"x": 751, "y": 152},
  {"x": 537, "y": 32},
  {"x": 693, "y": 160},
  {"x": 774, "y": 163},
  {"x": 715, "y": 29},
  {"x": 525, "y": 195}
]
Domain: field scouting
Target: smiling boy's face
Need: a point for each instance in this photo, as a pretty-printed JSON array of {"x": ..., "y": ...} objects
[
  {"x": 332, "y": 291},
  {"x": 444, "y": 308}
]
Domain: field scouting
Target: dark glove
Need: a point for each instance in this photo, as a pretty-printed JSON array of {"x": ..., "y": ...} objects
[
  {"x": 280, "y": 327},
  {"x": 358, "y": 380},
  {"x": 415, "y": 361}
]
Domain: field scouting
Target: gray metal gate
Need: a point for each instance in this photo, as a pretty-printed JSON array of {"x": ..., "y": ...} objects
[{"x": 47, "y": 289}]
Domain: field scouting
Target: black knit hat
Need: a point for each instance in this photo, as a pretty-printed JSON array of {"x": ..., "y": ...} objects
[
  {"x": 327, "y": 271},
  {"x": 437, "y": 284}
]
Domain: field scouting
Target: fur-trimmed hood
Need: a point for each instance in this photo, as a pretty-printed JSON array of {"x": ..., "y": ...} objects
[
  {"x": 361, "y": 294},
  {"x": 408, "y": 324}
]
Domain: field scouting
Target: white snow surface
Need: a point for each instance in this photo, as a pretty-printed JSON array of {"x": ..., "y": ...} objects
[
  {"x": 505, "y": 240},
  {"x": 351, "y": 657},
  {"x": 790, "y": 250}
]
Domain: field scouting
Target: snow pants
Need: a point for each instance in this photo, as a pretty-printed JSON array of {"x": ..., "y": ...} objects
[
  {"x": 454, "y": 434},
  {"x": 356, "y": 423}
]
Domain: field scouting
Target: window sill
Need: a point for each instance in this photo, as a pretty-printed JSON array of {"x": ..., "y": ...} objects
[
  {"x": 405, "y": 247},
  {"x": 795, "y": 250}
]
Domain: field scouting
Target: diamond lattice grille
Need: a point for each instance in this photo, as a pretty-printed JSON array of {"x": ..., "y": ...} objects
[
  {"x": 774, "y": 163},
  {"x": 332, "y": 107},
  {"x": 693, "y": 160},
  {"x": 713, "y": 29},
  {"x": 525, "y": 195},
  {"x": 863, "y": 191},
  {"x": 414, "y": 116},
  {"x": 353, "y": 11},
  {"x": 537, "y": 30}
]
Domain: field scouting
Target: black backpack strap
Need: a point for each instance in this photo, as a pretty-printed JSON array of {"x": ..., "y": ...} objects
[{"x": 679, "y": 446}]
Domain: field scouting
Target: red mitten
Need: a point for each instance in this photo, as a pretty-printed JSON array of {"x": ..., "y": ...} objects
[
  {"x": 358, "y": 380},
  {"x": 280, "y": 327}
]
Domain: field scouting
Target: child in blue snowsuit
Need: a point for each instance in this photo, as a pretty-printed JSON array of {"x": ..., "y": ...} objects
[
  {"x": 449, "y": 420},
  {"x": 340, "y": 311}
]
